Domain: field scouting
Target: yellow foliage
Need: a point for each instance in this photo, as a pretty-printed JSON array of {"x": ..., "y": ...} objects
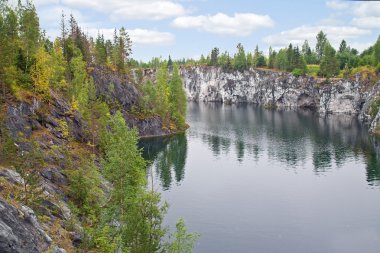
[{"x": 42, "y": 73}]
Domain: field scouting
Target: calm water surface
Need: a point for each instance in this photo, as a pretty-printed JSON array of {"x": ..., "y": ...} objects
[{"x": 255, "y": 180}]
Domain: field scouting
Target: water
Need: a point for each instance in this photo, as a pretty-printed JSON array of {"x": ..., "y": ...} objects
[{"x": 255, "y": 180}]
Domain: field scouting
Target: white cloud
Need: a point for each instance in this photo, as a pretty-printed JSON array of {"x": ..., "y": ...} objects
[
  {"x": 132, "y": 9},
  {"x": 139, "y": 36},
  {"x": 150, "y": 37},
  {"x": 45, "y": 2},
  {"x": 335, "y": 34},
  {"x": 367, "y": 22},
  {"x": 366, "y": 9},
  {"x": 337, "y": 5},
  {"x": 241, "y": 24}
]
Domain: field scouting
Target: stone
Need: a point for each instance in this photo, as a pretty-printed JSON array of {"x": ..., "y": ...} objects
[
  {"x": 58, "y": 250},
  {"x": 20, "y": 231},
  {"x": 12, "y": 176}
]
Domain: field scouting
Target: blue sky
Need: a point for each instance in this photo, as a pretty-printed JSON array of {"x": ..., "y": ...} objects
[{"x": 188, "y": 28}]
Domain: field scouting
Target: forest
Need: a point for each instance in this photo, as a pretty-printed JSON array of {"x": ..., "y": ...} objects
[{"x": 322, "y": 61}]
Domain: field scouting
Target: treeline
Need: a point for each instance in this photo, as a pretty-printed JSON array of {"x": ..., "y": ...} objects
[
  {"x": 295, "y": 59},
  {"x": 323, "y": 60},
  {"x": 32, "y": 68}
]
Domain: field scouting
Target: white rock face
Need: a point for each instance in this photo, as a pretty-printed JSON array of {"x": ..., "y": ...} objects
[{"x": 212, "y": 84}]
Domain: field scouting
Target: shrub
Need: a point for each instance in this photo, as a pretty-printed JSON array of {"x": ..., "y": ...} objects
[{"x": 297, "y": 72}]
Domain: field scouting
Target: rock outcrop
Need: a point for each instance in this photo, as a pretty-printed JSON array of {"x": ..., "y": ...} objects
[
  {"x": 20, "y": 231},
  {"x": 279, "y": 89}
]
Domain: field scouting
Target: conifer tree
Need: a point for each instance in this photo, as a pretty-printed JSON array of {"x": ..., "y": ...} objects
[
  {"x": 177, "y": 99},
  {"x": 162, "y": 94},
  {"x": 329, "y": 63}
]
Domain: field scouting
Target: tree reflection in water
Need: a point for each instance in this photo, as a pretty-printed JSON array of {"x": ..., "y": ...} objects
[{"x": 292, "y": 138}]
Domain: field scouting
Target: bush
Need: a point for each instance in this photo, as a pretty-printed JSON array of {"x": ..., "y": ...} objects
[
  {"x": 313, "y": 69},
  {"x": 374, "y": 107},
  {"x": 378, "y": 67},
  {"x": 297, "y": 72}
]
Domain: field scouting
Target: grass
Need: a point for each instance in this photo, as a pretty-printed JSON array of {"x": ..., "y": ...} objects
[{"x": 313, "y": 69}]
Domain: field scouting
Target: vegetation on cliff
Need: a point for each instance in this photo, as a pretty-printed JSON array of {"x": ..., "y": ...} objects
[
  {"x": 322, "y": 61},
  {"x": 68, "y": 130}
]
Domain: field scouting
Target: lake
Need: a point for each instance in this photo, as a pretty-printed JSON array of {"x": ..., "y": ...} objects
[{"x": 250, "y": 179}]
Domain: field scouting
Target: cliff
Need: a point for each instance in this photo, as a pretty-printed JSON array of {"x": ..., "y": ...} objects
[{"x": 280, "y": 90}]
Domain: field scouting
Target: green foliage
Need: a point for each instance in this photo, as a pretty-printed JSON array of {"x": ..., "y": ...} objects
[
  {"x": 183, "y": 240},
  {"x": 85, "y": 188},
  {"x": 374, "y": 107},
  {"x": 177, "y": 98},
  {"x": 281, "y": 61},
  {"x": 42, "y": 73},
  {"x": 137, "y": 210},
  {"x": 162, "y": 94},
  {"x": 320, "y": 46},
  {"x": 297, "y": 72},
  {"x": 8, "y": 150},
  {"x": 59, "y": 67},
  {"x": 28, "y": 164},
  {"x": 214, "y": 56},
  {"x": 258, "y": 58},
  {"x": 240, "y": 60},
  {"x": 329, "y": 63},
  {"x": 378, "y": 67},
  {"x": 376, "y": 52}
]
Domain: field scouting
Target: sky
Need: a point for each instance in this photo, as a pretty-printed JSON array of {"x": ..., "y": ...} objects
[{"x": 189, "y": 28}]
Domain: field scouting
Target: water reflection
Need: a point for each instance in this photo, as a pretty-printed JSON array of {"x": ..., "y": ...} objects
[
  {"x": 168, "y": 156},
  {"x": 291, "y": 138}
]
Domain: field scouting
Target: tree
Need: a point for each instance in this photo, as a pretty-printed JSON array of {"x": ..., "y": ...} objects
[
  {"x": 225, "y": 61},
  {"x": 29, "y": 33},
  {"x": 59, "y": 67},
  {"x": 138, "y": 211},
  {"x": 9, "y": 41},
  {"x": 170, "y": 64},
  {"x": 258, "y": 58},
  {"x": 343, "y": 46},
  {"x": 376, "y": 51},
  {"x": 177, "y": 99},
  {"x": 329, "y": 63},
  {"x": 100, "y": 50},
  {"x": 42, "y": 73},
  {"x": 183, "y": 240},
  {"x": 309, "y": 56},
  {"x": 28, "y": 164},
  {"x": 321, "y": 42},
  {"x": 214, "y": 56},
  {"x": 240, "y": 60},
  {"x": 271, "y": 58},
  {"x": 162, "y": 94},
  {"x": 281, "y": 61}
]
